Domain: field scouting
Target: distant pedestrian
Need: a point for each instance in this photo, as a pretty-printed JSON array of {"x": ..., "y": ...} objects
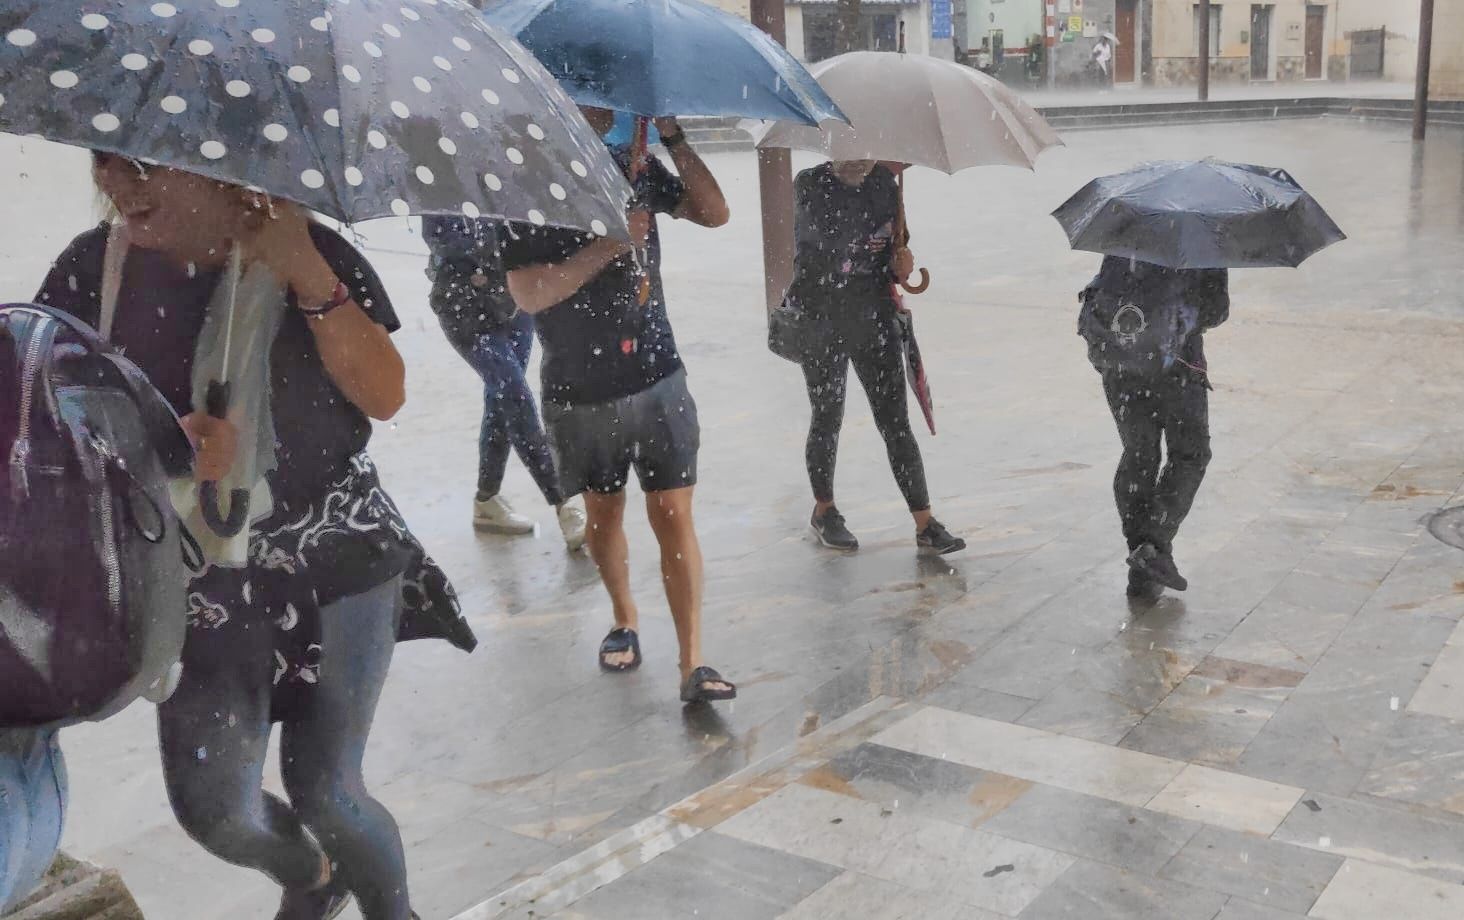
[
  {"x": 1103, "y": 61},
  {"x": 1145, "y": 327},
  {"x": 470, "y": 298},
  {"x": 615, "y": 392},
  {"x": 846, "y": 264}
]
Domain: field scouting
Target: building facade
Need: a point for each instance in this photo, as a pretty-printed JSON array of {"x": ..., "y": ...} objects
[
  {"x": 813, "y": 27},
  {"x": 1006, "y": 29},
  {"x": 1288, "y": 40},
  {"x": 1447, "y": 68}
]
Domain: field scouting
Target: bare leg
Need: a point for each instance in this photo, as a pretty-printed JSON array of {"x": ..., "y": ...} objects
[
  {"x": 611, "y": 551},
  {"x": 681, "y": 568}
]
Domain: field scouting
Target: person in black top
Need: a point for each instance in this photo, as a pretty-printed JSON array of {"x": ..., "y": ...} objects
[
  {"x": 303, "y": 632},
  {"x": 615, "y": 394},
  {"x": 495, "y": 338},
  {"x": 1144, "y": 325},
  {"x": 846, "y": 265}
]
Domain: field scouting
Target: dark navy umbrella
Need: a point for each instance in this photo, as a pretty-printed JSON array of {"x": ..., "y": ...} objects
[
  {"x": 355, "y": 108},
  {"x": 1199, "y": 214},
  {"x": 665, "y": 57}
]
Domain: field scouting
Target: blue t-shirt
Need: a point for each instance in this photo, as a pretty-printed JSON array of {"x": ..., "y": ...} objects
[{"x": 602, "y": 344}]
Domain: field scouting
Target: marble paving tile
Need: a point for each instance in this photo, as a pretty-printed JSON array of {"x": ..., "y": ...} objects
[
  {"x": 960, "y": 694},
  {"x": 938, "y": 789},
  {"x": 1387, "y": 835},
  {"x": 710, "y": 877},
  {"x": 1442, "y": 691},
  {"x": 1236, "y": 909},
  {"x": 1284, "y": 635},
  {"x": 451, "y": 867},
  {"x": 1098, "y": 829},
  {"x": 1093, "y": 891},
  {"x": 1277, "y": 875},
  {"x": 853, "y": 894},
  {"x": 1422, "y": 762},
  {"x": 1362, "y": 891},
  {"x": 936, "y": 857},
  {"x": 1068, "y": 763},
  {"x": 1111, "y": 691},
  {"x": 1026, "y": 666},
  {"x": 1229, "y": 800},
  {"x": 1214, "y": 713}
]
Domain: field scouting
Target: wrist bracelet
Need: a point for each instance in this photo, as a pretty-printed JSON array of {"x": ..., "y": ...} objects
[{"x": 339, "y": 298}]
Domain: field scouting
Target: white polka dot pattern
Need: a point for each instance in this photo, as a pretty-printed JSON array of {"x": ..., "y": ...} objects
[{"x": 356, "y": 108}]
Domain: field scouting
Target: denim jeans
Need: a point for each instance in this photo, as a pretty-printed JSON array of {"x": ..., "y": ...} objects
[
  {"x": 510, "y": 416},
  {"x": 32, "y": 806}
]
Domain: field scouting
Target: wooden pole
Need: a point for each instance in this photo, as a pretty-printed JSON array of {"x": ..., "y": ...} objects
[
  {"x": 1204, "y": 50},
  {"x": 775, "y": 180},
  {"x": 1425, "y": 55}
]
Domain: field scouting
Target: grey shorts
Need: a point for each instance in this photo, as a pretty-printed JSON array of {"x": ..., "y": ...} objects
[{"x": 655, "y": 431}]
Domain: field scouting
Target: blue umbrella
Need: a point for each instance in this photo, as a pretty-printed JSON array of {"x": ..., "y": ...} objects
[
  {"x": 623, "y": 134},
  {"x": 665, "y": 57}
]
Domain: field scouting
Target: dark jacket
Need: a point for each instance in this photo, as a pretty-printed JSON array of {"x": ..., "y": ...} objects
[
  {"x": 1206, "y": 292},
  {"x": 461, "y": 248}
]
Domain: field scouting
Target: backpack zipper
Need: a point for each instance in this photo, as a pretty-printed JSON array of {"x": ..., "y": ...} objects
[
  {"x": 20, "y": 450},
  {"x": 111, "y": 560}
]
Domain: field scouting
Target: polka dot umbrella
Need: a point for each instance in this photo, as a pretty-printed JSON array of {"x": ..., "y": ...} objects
[{"x": 357, "y": 109}]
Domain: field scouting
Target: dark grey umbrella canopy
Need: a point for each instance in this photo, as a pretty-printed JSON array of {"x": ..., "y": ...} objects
[
  {"x": 1199, "y": 214},
  {"x": 355, "y": 108}
]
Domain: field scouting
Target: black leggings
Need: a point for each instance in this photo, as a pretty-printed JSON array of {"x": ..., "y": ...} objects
[
  {"x": 1174, "y": 409},
  {"x": 215, "y": 732},
  {"x": 880, "y": 366}
]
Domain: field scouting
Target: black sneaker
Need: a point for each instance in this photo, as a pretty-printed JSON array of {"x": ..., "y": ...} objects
[
  {"x": 1142, "y": 587},
  {"x": 1158, "y": 566},
  {"x": 323, "y": 903},
  {"x": 935, "y": 540},
  {"x": 831, "y": 531}
]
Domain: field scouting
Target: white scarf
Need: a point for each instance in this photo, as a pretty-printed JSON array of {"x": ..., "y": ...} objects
[{"x": 256, "y": 301}]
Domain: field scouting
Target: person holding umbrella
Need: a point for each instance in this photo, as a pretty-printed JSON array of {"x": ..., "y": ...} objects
[
  {"x": 1169, "y": 233},
  {"x": 615, "y": 391},
  {"x": 214, "y": 127},
  {"x": 847, "y": 262}
]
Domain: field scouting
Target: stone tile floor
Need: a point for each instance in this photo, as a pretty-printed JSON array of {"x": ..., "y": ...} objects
[{"x": 998, "y": 734}]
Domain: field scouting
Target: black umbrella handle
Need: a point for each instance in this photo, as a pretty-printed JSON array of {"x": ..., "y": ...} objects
[{"x": 232, "y": 523}]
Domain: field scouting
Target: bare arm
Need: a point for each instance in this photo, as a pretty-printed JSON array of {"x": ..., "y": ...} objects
[
  {"x": 536, "y": 288},
  {"x": 704, "y": 203},
  {"x": 358, "y": 354}
]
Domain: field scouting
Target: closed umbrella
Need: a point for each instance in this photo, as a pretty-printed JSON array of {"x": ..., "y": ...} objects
[
  {"x": 1199, "y": 214},
  {"x": 358, "y": 109}
]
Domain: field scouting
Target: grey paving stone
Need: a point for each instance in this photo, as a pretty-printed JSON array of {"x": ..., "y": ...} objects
[
  {"x": 1284, "y": 635},
  {"x": 1388, "y": 835},
  {"x": 1277, "y": 875},
  {"x": 1236, "y": 909},
  {"x": 1422, "y": 762},
  {"x": 1094, "y": 828},
  {"x": 961, "y": 695},
  {"x": 855, "y": 895},
  {"x": 1214, "y": 713},
  {"x": 710, "y": 877},
  {"x": 1110, "y": 691},
  {"x": 1094, "y": 891}
]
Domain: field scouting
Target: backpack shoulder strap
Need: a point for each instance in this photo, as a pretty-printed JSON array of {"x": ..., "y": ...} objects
[{"x": 113, "y": 260}]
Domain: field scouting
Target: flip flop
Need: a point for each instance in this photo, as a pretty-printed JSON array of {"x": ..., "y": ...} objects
[
  {"x": 693, "y": 692},
  {"x": 621, "y": 639}
]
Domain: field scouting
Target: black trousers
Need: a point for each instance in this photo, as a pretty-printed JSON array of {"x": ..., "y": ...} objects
[
  {"x": 879, "y": 363},
  {"x": 1173, "y": 409}
]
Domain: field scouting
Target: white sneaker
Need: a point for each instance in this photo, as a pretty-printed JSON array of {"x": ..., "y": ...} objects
[
  {"x": 496, "y": 515},
  {"x": 572, "y": 523}
]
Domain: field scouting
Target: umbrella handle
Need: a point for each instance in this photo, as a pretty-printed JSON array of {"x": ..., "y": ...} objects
[
  {"x": 920, "y": 288},
  {"x": 232, "y": 523}
]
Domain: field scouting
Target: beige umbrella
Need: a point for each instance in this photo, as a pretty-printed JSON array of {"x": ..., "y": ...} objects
[{"x": 919, "y": 110}]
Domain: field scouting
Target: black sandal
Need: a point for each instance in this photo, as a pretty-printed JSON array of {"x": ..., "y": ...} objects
[
  {"x": 619, "y": 640},
  {"x": 694, "y": 691}
]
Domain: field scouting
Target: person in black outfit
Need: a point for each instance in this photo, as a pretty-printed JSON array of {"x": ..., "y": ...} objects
[
  {"x": 470, "y": 297},
  {"x": 1164, "y": 404},
  {"x": 846, "y": 266}
]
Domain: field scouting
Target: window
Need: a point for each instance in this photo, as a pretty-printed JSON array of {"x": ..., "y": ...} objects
[{"x": 1214, "y": 30}]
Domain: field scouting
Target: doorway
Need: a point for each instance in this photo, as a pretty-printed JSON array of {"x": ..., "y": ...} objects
[
  {"x": 1125, "y": 15},
  {"x": 1316, "y": 24},
  {"x": 1260, "y": 42}
]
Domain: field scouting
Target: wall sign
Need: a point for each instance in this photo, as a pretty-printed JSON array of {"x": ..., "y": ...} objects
[{"x": 940, "y": 19}]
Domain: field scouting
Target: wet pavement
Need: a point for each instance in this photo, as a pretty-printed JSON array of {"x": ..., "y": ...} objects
[{"x": 998, "y": 734}]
